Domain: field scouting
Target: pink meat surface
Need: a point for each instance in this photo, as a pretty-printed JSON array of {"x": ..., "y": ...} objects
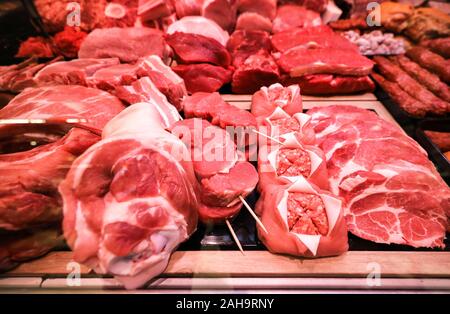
[
  {"x": 392, "y": 192},
  {"x": 243, "y": 44},
  {"x": 192, "y": 48},
  {"x": 135, "y": 203},
  {"x": 266, "y": 8},
  {"x": 203, "y": 77},
  {"x": 291, "y": 16},
  {"x": 250, "y": 21},
  {"x": 223, "y": 12},
  {"x": 256, "y": 71}
]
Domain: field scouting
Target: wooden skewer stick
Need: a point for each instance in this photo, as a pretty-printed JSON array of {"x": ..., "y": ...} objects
[
  {"x": 253, "y": 214},
  {"x": 235, "y": 236},
  {"x": 269, "y": 137}
]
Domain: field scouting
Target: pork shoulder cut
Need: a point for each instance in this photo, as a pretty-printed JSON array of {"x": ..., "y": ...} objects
[{"x": 129, "y": 200}]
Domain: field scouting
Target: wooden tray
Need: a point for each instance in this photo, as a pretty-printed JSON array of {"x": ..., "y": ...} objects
[{"x": 207, "y": 271}]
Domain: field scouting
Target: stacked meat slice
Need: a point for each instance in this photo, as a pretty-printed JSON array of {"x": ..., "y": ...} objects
[
  {"x": 37, "y": 148},
  {"x": 302, "y": 218},
  {"x": 199, "y": 47},
  {"x": 392, "y": 192},
  {"x": 321, "y": 61},
  {"x": 130, "y": 199}
]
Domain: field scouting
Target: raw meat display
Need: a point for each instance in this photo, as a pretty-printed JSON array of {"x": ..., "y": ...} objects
[
  {"x": 329, "y": 84},
  {"x": 251, "y": 21},
  {"x": 291, "y": 16},
  {"x": 221, "y": 173},
  {"x": 193, "y": 48},
  {"x": 266, "y": 8},
  {"x": 394, "y": 73},
  {"x": 199, "y": 25},
  {"x": 431, "y": 61},
  {"x": 428, "y": 79},
  {"x": 349, "y": 24},
  {"x": 127, "y": 44},
  {"x": 223, "y": 12},
  {"x": 439, "y": 45},
  {"x": 302, "y": 220},
  {"x": 135, "y": 203},
  {"x": 392, "y": 193},
  {"x": 203, "y": 77},
  {"x": 257, "y": 70}
]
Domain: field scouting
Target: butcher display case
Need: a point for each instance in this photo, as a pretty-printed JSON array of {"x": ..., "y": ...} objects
[
  {"x": 210, "y": 262},
  {"x": 336, "y": 130}
]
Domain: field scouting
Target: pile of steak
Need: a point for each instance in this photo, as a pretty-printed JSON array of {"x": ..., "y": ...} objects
[
  {"x": 203, "y": 61},
  {"x": 302, "y": 218},
  {"x": 135, "y": 203},
  {"x": 392, "y": 193},
  {"x": 43, "y": 129},
  {"x": 304, "y": 53}
]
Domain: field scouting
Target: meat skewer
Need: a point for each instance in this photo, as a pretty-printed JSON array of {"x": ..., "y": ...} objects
[
  {"x": 253, "y": 214},
  {"x": 233, "y": 234}
]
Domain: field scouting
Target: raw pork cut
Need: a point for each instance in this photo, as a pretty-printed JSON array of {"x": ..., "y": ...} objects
[
  {"x": 203, "y": 77},
  {"x": 68, "y": 41},
  {"x": 242, "y": 44},
  {"x": 302, "y": 220},
  {"x": 127, "y": 44},
  {"x": 212, "y": 107},
  {"x": 292, "y": 16},
  {"x": 250, "y": 21},
  {"x": 257, "y": 70},
  {"x": 315, "y": 5},
  {"x": 392, "y": 193},
  {"x": 329, "y": 84},
  {"x": 144, "y": 90},
  {"x": 193, "y": 48},
  {"x": 199, "y": 25},
  {"x": 221, "y": 175},
  {"x": 431, "y": 61},
  {"x": 35, "y": 47},
  {"x": 266, "y": 8},
  {"x": 223, "y": 12},
  {"x": 129, "y": 200},
  {"x": 42, "y": 117},
  {"x": 166, "y": 80},
  {"x": 74, "y": 72}
]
